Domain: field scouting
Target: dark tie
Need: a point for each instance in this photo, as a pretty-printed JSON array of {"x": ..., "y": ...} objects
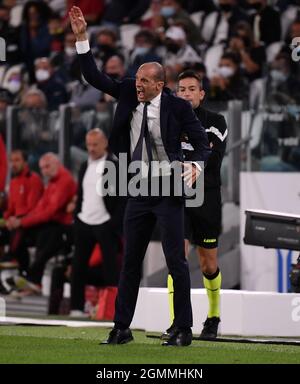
[{"x": 138, "y": 151}]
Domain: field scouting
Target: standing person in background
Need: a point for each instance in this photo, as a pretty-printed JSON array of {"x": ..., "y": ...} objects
[
  {"x": 203, "y": 224},
  {"x": 98, "y": 219}
]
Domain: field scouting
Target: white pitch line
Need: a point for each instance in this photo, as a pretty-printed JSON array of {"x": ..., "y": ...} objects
[{"x": 68, "y": 323}]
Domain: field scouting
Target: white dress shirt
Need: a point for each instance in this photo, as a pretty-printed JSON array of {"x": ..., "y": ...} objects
[{"x": 93, "y": 210}]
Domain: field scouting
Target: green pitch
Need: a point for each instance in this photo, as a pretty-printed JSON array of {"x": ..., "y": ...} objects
[{"x": 40, "y": 344}]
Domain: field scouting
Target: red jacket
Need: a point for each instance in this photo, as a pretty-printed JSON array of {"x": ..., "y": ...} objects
[
  {"x": 3, "y": 164},
  {"x": 52, "y": 205},
  {"x": 25, "y": 190}
]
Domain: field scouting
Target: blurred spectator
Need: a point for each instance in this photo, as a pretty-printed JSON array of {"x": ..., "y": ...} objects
[
  {"x": 263, "y": 16},
  {"x": 218, "y": 26},
  {"x": 56, "y": 31},
  {"x": 66, "y": 63},
  {"x": 125, "y": 11},
  {"x": 46, "y": 224},
  {"x": 14, "y": 82},
  {"x": 153, "y": 18},
  {"x": 280, "y": 87},
  {"x": 98, "y": 219},
  {"x": 200, "y": 69},
  {"x": 83, "y": 95},
  {"x": 174, "y": 14},
  {"x": 25, "y": 190},
  {"x": 49, "y": 83},
  {"x": 34, "y": 99},
  {"x": 115, "y": 69},
  {"x": 228, "y": 84},
  {"x": 36, "y": 130},
  {"x": 144, "y": 51},
  {"x": 179, "y": 52},
  {"x": 35, "y": 37},
  {"x": 106, "y": 45},
  {"x": 171, "y": 78},
  {"x": 252, "y": 53},
  {"x": 11, "y": 36}
]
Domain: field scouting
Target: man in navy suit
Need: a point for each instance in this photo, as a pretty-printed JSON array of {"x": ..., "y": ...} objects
[{"x": 147, "y": 126}]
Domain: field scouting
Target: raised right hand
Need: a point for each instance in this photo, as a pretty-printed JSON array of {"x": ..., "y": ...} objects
[{"x": 78, "y": 23}]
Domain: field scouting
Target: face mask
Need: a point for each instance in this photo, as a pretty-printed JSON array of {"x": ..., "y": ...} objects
[
  {"x": 14, "y": 86},
  {"x": 225, "y": 71},
  {"x": 226, "y": 7},
  {"x": 42, "y": 74},
  {"x": 167, "y": 11},
  {"x": 278, "y": 76},
  {"x": 70, "y": 51},
  {"x": 140, "y": 51},
  {"x": 172, "y": 47}
]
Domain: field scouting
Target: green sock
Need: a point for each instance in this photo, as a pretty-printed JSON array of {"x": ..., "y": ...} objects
[
  {"x": 171, "y": 298},
  {"x": 212, "y": 283}
]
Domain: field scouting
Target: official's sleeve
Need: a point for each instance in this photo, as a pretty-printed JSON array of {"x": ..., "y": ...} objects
[
  {"x": 217, "y": 137},
  {"x": 196, "y": 133}
]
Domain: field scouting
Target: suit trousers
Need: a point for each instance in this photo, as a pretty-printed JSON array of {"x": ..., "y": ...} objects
[{"x": 140, "y": 218}]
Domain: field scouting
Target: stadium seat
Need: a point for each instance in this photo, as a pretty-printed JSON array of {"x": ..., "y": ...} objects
[{"x": 127, "y": 33}]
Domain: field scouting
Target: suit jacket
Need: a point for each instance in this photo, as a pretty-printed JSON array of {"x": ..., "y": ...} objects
[
  {"x": 216, "y": 129},
  {"x": 176, "y": 115},
  {"x": 114, "y": 204}
]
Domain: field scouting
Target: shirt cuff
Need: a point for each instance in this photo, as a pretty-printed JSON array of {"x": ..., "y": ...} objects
[
  {"x": 197, "y": 165},
  {"x": 82, "y": 46}
]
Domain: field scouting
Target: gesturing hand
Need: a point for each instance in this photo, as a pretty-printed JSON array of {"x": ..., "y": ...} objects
[
  {"x": 190, "y": 173},
  {"x": 78, "y": 23}
]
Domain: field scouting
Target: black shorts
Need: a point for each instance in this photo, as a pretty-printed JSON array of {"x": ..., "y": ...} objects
[{"x": 203, "y": 224}]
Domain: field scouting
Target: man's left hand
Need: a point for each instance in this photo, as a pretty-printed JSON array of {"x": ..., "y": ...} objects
[{"x": 190, "y": 173}]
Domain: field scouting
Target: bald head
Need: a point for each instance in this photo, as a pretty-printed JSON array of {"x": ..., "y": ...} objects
[
  {"x": 155, "y": 69},
  {"x": 150, "y": 79},
  {"x": 96, "y": 143},
  {"x": 49, "y": 165}
]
